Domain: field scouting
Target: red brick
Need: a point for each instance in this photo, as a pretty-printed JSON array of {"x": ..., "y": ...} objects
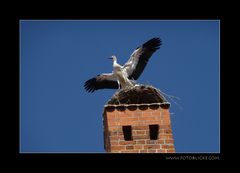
[
  {"x": 126, "y": 123},
  {"x": 130, "y": 147},
  {"x": 165, "y": 127},
  {"x": 149, "y": 114},
  {"x": 152, "y": 141},
  {"x": 165, "y": 122},
  {"x": 145, "y": 114},
  {"x": 132, "y": 119},
  {"x": 123, "y": 115},
  {"x": 137, "y": 114},
  {"x": 126, "y": 142},
  {"x": 114, "y": 138},
  {"x": 169, "y": 136},
  {"x": 152, "y": 122},
  {"x": 113, "y": 133},
  {"x": 139, "y": 132},
  {"x": 168, "y": 131},
  {"x": 111, "y": 114},
  {"x": 170, "y": 147},
  {"x": 114, "y": 142},
  {"x": 117, "y": 147},
  {"x": 161, "y": 141},
  {"x": 116, "y": 151},
  {"x": 167, "y": 141},
  {"x": 162, "y": 136},
  {"x": 147, "y": 118},
  {"x": 140, "y": 142},
  {"x": 156, "y": 114},
  {"x": 142, "y": 123},
  {"x": 152, "y": 151},
  {"x": 161, "y": 131},
  {"x": 143, "y": 151},
  {"x": 165, "y": 112},
  {"x": 151, "y": 146},
  {"x": 130, "y": 151},
  {"x": 170, "y": 151},
  {"x": 150, "y": 110},
  {"x": 120, "y": 137},
  {"x": 158, "y": 119},
  {"x": 112, "y": 123},
  {"x": 140, "y": 127},
  {"x": 165, "y": 119},
  {"x": 165, "y": 116},
  {"x": 129, "y": 112},
  {"x": 138, "y": 147},
  {"x": 139, "y": 119},
  {"x": 144, "y": 132},
  {"x": 167, "y": 146},
  {"x": 140, "y": 137},
  {"x": 165, "y": 136},
  {"x": 134, "y": 132},
  {"x": 161, "y": 151},
  {"x": 113, "y": 128}
]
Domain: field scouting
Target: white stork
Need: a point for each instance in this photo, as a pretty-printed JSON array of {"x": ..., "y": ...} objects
[{"x": 124, "y": 76}]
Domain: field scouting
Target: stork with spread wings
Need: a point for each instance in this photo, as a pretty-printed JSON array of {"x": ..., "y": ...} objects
[{"x": 124, "y": 76}]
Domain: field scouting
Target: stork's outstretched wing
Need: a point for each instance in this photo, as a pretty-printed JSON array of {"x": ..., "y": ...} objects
[
  {"x": 105, "y": 80},
  {"x": 139, "y": 58}
]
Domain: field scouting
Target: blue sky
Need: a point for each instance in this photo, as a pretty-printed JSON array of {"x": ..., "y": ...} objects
[{"x": 57, "y": 57}]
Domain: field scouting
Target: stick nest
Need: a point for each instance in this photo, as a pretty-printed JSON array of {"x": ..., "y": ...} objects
[{"x": 139, "y": 94}]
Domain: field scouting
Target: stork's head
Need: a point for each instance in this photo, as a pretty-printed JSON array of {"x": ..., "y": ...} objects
[{"x": 113, "y": 58}]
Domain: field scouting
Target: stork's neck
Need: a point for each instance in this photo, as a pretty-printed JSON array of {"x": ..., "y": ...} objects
[{"x": 115, "y": 62}]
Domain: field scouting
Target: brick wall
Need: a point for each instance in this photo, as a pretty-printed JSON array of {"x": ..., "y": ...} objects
[{"x": 138, "y": 118}]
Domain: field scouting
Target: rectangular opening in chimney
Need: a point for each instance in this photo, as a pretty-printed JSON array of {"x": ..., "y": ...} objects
[
  {"x": 153, "y": 131},
  {"x": 127, "y": 133}
]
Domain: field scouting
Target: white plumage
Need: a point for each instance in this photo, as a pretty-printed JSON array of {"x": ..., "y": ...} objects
[
  {"x": 121, "y": 74},
  {"x": 124, "y": 76}
]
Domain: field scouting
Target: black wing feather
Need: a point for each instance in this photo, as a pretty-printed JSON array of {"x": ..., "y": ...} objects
[
  {"x": 100, "y": 82},
  {"x": 144, "y": 53}
]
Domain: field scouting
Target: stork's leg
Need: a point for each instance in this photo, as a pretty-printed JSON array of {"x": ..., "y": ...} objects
[
  {"x": 133, "y": 82},
  {"x": 118, "y": 84}
]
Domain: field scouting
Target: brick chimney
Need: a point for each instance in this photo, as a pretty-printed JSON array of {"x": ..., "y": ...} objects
[{"x": 137, "y": 120}]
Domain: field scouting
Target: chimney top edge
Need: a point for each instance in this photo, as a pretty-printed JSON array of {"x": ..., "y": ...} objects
[{"x": 142, "y": 104}]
